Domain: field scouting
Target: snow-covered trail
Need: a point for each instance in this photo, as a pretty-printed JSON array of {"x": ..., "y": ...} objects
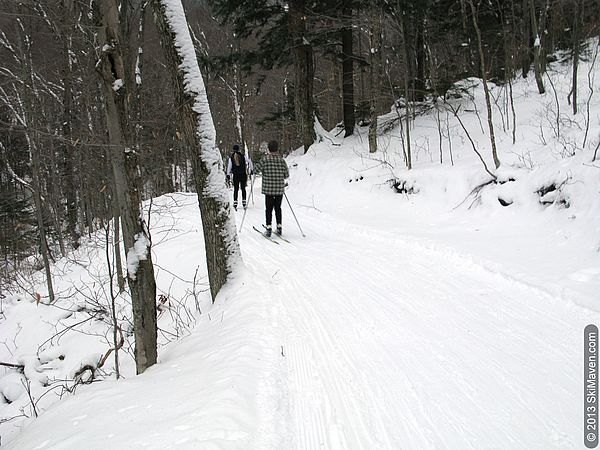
[{"x": 390, "y": 344}]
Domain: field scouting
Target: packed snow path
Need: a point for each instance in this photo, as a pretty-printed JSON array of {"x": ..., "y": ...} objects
[
  {"x": 390, "y": 344},
  {"x": 359, "y": 336}
]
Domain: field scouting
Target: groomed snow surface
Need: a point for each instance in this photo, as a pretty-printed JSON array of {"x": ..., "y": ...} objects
[{"x": 402, "y": 320}]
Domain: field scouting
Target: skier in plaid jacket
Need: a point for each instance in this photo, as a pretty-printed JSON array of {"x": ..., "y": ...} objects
[{"x": 274, "y": 172}]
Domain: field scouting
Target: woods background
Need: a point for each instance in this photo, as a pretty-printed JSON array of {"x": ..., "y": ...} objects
[{"x": 269, "y": 67}]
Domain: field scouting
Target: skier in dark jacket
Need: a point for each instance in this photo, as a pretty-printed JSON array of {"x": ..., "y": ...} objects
[
  {"x": 274, "y": 172},
  {"x": 239, "y": 167}
]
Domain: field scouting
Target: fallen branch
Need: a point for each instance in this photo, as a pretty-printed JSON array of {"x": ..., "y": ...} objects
[
  {"x": 79, "y": 374},
  {"x": 19, "y": 367},
  {"x": 455, "y": 112},
  {"x": 475, "y": 191},
  {"x": 110, "y": 350}
]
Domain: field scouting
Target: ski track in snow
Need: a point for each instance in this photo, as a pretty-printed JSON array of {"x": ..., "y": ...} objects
[
  {"x": 393, "y": 344},
  {"x": 356, "y": 337}
]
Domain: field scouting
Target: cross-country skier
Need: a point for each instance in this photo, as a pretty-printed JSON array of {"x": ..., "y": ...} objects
[
  {"x": 274, "y": 172},
  {"x": 240, "y": 167}
]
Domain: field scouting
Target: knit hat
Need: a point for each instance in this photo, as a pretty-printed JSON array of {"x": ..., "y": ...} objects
[{"x": 236, "y": 147}]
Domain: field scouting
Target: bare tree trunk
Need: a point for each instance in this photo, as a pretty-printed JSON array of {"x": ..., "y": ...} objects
[
  {"x": 576, "y": 25},
  {"x": 117, "y": 238},
  {"x": 117, "y": 250},
  {"x": 439, "y": 127},
  {"x": 68, "y": 147},
  {"x": 590, "y": 78},
  {"x": 304, "y": 69},
  {"x": 537, "y": 49},
  {"x": 136, "y": 80},
  {"x": 486, "y": 90},
  {"x": 513, "y": 112},
  {"x": 347, "y": 70},
  {"x": 140, "y": 271},
  {"x": 544, "y": 36},
  {"x": 28, "y": 107},
  {"x": 408, "y": 154},
  {"x": 113, "y": 308},
  {"x": 239, "y": 99},
  {"x": 511, "y": 49},
  {"x": 374, "y": 74},
  {"x": 449, "y": 139},
  {"x": 526, "y": 35},
  {"x": 420, "y": 57},
  {"x": 55, "y": 194},
  {"x": 37, "y": 198},
  {"x": 220, "y": 236}
]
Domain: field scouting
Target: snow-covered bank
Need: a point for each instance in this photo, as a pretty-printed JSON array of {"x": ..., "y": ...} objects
[
  {"x": 402, "y": 320},
  {"x": 540, "y": 222},
  {"x": 55, "y": 342},
  {"x": 554, "y": 247},
  {"x": 348, "y": 339},
  {"x": 201, "y": 395}
]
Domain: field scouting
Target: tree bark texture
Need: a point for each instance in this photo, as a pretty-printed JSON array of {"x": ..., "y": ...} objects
[
  {"x": 526, "y": 56},
  {"x": 537, "y": 49},
  {"x": 127, "y": 181},
  {"x": 198, "y": 133},
  {"x": 408, "y": 152},
  {"x": 576, "y": 51},
  {"x": 68, "y": 149},
  {"x": 304, "y": 69},
  {"x": 374, "y": 74},
  {"x": 347, "y": 71}
]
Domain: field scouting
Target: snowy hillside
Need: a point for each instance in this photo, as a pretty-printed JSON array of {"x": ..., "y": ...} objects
[{"x": 434, "y": 317}]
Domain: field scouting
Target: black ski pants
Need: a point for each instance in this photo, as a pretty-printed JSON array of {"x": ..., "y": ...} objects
[
  {"x": 273, "y": 202},
  {"x": 239, "y": 181}
]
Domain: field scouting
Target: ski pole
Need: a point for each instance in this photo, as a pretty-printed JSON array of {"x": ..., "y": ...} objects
[
  {"x": 294, "y": 214},
  {"x": 243, "y": 217},
  {"x": 252, "y": 189}
]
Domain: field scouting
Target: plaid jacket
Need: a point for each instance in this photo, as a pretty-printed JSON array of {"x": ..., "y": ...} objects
[{"x": 274, "y": 171}]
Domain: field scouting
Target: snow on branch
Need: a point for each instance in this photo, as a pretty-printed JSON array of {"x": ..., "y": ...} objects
[
  {"x": 11, "y": 172},
  {"x": 193, "y": 85}
]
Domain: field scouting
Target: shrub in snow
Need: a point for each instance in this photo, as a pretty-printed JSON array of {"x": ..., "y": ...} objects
[
  {"x": 552, "y": 194},
  {"x": 404, "y": 186}
]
